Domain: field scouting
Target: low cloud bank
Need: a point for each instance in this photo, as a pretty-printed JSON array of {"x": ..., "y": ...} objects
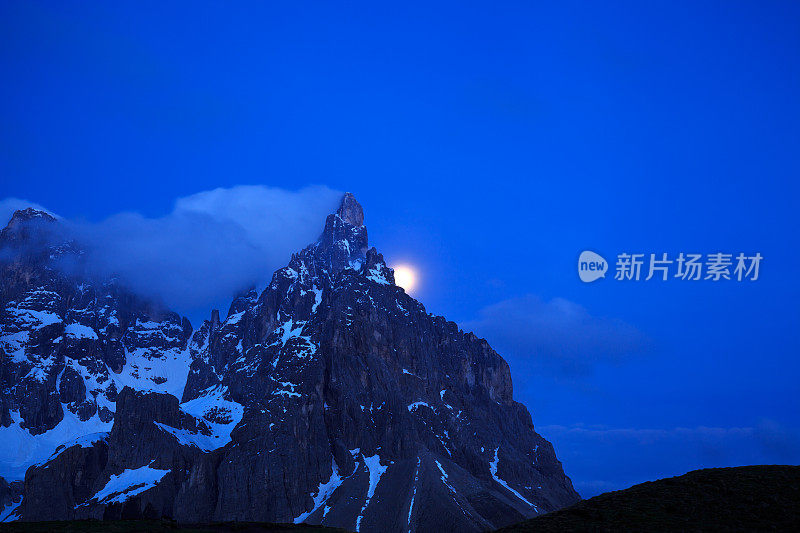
[
  {"x": 599, "y": 459},
  {"x": 213, "y": 243},
  {"x": 556, "y": 336}
]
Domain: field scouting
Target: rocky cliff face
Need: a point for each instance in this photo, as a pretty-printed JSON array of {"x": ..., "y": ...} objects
[{"x": 332, "y": 397}]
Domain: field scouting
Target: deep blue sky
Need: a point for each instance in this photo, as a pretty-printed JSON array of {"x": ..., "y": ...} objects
[{"x": 489, "y": 144}]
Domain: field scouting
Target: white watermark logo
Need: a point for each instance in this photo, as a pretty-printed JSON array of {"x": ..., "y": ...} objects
[
  {"x": 591, "y": 266},
  {"x": 685, "y": 266}
]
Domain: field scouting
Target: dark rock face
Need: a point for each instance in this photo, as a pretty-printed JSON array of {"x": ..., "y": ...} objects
[
  {"x": 10, "y": 497},
  {"x": 332, "y": 397},
  {"x": 350, "y": 211}
]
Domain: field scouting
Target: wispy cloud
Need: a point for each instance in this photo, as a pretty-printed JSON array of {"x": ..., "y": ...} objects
[
  {"x": 558, "y": 335},
  {"x": 211, "y": 245}
]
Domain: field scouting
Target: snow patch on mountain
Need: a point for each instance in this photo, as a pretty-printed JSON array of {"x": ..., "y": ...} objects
[
  {"x": 288, "y": 330},
  {"x": 413, "y": 494},
  {"x": 185, "y": 437},
  {"x": 31, "y": 318},
  {"x": 376, "y": 470},
  {"x": 234, "y": 318},
  {"x": 416, "y": 405},
  {"x": 219, "y": 413},
  {"x": 20, "y": 450},
  {"x": 79, "y": 331},
  {"x": 84, "y": 441},
  {"x": 6, "y": 513},
  {"x": 493, "y": 470},
  {"x": 377, "y": 275},
  {"x": 324, "y": 492},
  {"x": 128, "y": 484},
  {"x": 444, "y": 477},
  {"x": 317, "y": 298}
]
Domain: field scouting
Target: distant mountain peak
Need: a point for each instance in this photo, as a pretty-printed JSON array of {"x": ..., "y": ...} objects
[
  {"x": 350, "y": 210},
  {"x": 23, "y": 223},
  {"x": 30, "y": 213},
  {"x": 344, "y": 239}
]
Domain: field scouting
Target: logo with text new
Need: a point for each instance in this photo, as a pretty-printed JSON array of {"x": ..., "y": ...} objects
[{"x": 591, "y": 266}]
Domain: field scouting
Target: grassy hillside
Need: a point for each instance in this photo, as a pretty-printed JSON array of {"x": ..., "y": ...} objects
[{"x": 746, "y": 498}]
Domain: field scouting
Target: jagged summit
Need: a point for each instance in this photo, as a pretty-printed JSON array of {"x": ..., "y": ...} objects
[
  {"x": 22, "y": 222},
  {"x": 350, "y": 210},
  {"x": 30, "y": 213},
  {"x": 344, "y": 239}
]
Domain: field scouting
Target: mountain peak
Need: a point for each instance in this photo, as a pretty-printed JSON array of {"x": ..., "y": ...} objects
[
  {"x": 24, "y": 223},
  {"x": 30, "y": 213},
  {"x": 350, "y": 210}
]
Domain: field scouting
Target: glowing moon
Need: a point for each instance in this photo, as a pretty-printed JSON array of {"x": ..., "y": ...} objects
[{"x": 405, "y": 276}]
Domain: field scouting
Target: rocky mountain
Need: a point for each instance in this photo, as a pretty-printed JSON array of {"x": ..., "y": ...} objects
[{"x": 332, "y": 397}]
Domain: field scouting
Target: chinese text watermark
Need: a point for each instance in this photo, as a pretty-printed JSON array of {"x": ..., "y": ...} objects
[{"x": 717, "y": 266}]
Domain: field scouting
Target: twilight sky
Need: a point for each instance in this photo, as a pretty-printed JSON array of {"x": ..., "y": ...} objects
[{"x": 489, "y": 143}]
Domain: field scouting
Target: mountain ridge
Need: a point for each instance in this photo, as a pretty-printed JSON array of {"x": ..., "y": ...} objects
[{"x": 331, "y": 397}]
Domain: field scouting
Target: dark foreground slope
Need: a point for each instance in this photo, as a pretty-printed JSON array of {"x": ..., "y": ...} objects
[
  {"x": 745, "y": 498},
  {"x": 159, "y": 526}
]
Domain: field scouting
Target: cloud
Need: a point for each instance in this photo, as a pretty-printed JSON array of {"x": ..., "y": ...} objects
[
  {"x": 647, "y": 436},
  {"x": 213, "y": 243},
  {"x": 600, "y": 459},
  {"x": 558, "y": 335},
  {"x": 273, "y": 219},
  {"x": 780, "y": 444}
]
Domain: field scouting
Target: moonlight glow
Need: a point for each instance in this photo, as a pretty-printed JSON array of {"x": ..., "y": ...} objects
[{"x": 405, "y": 276}]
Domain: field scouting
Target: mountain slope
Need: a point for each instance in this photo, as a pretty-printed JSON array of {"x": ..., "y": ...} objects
[
  {"x": 332, "y": 397},
  {"x": 69, "y": 343},
  {"x": 745, "y": 498}
]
